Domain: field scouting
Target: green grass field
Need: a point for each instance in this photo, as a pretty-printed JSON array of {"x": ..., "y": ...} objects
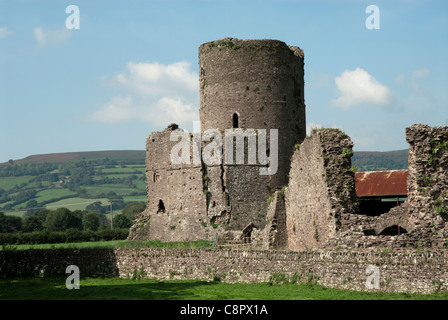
[
  {"x": 114, "y": 244},
  {"x": 7, "y": 183},
  {"x": 147, "y": 289},
  {"x": 75, "y": 203},
  {"x": 50, "y": 194}
]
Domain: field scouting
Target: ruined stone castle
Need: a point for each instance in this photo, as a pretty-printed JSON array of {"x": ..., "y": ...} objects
[
  {"x": 244, "y": 84},
  {"x": 310, "y": 199}
]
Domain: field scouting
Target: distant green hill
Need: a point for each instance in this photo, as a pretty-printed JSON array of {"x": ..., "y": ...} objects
[
  {"x": 75, "y": 180},
  {"x": 117, "y": 155},
  {"x": 375, "y": 161}
]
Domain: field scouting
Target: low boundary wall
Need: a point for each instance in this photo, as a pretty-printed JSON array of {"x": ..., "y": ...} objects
[{"x": 390, "y": 272}]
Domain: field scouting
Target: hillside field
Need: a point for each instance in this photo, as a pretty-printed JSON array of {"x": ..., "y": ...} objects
[{"x": 77, "y": 181}]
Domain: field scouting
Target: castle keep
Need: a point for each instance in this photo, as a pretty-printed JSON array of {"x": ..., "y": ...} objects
[
  {"x": 255, "y": 89},
  {"x": 244, "y": 85}
]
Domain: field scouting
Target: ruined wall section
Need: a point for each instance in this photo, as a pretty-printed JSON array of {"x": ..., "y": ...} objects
[
  {"x": 176, "y": 206},
  {"x": 428, "y": 180},
  {"x": 274, "y": 235},
  {"x": 420, "y": 222},
  {"x": 320, "y": 198}
]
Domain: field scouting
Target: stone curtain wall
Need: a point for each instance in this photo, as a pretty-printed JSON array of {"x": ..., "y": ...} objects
[
  {"x": 397, "y": 272},
  {"x": 428, "y": 181},
  {"x": 320, "y": 198},
  {"x": 176, "y": 204},
  {"x": 53, "y": 262}
]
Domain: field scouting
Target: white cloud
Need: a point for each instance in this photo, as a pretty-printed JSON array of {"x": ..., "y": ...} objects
[
  {"x": 155, "y": 93},
  {"x": 154, "y": 79},
  {"x": 4, "y": 32},
  {"x": 359, "y": 87},
  {"x": 46, "y": 37}
]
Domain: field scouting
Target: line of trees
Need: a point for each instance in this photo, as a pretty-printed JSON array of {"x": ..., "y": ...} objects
[{"x": 47, "y": 226}]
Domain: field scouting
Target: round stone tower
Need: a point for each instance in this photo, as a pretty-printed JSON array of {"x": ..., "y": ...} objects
[{"x": 254, "y": 84}]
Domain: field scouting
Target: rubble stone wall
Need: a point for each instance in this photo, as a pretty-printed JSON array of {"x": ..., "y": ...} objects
[
  {"x": 428, "y": 175},
  {"x": 420, "y": 222},
  {"x": 320, "y": 194},
  {"x": 176, "y": 206},
  {"x": 410, "y": 272}
]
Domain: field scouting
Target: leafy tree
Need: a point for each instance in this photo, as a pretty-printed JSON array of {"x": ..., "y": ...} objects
[
  {"x": 96, "y": 207},
  {"x": 61, "y": 219},
  {"x": 31, "y": 204},
  {"x": 32, "y": 223},
  {"x": 24, "y": 195},
  {"x": 42, "y": 215},
  {"x": 10, "y": 224},
  {"x": 90, "y": 221},
  {"x": 121, "y": 222}
]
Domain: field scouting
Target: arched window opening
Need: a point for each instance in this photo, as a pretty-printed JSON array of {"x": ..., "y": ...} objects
[
  {"x": 235, "y": 120},
  {"x": 161, "y": 207},
  {"x": 393, "y": 231}
]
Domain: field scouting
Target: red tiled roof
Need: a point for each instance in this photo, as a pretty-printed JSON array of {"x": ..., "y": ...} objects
[{"x": 381, "y": 183}]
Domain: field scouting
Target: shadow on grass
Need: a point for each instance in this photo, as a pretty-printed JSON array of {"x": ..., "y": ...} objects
[
  {"x": 99, "y": 289},
  {"x": 128, "y": 289}
]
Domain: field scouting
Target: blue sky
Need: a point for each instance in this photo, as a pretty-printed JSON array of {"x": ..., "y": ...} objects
[{"x": 132, "y": 68}]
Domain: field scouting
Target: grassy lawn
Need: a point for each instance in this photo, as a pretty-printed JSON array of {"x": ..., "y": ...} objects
[
  {"x": 114, "y": 244},
  {"x": 125, "y": 289},
  {"x": 49, "y": 288}
]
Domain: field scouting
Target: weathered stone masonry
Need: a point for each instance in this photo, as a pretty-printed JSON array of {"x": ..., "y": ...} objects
[
  {"x": 320, "y": 198},
  {"x": 398, "y": 272},
  {"x": 321, "y": 209},
  {"x": 244, "y": 85},
  {"x": 421, "y": 219}
]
